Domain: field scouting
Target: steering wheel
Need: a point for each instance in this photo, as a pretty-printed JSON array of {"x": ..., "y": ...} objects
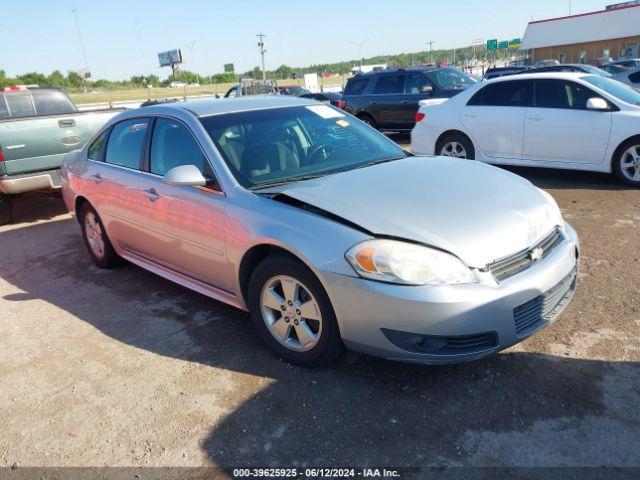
[{"x": 322, "y": 151}]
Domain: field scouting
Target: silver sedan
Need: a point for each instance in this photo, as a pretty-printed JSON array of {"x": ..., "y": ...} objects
[{"x": 327, "y": 232}]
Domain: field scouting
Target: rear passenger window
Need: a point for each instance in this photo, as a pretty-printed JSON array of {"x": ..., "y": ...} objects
[
  {"x": 356, "y": 86},
  {"x": 97, "y": 147},
  {"x": 502, "y": 94},
  {"x": 20, "y": 104},
  {"x": 389, "y": 84},
  {"x": 126, "y": 142},
  {"x": 52, "y": 102}
]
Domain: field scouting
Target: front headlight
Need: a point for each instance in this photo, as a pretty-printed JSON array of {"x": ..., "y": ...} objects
[{"x": 401, "y": 262}]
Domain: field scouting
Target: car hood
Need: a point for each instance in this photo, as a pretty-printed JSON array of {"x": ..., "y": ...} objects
[{"x": 478, "y": 212}]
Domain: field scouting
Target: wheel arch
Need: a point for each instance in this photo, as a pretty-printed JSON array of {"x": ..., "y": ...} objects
[
  {"x": 77, "y": 205},
  {"x": 449, "y": 132},
  {"x": 259, "y": 252},
  {"x": 619, "y": 148}
]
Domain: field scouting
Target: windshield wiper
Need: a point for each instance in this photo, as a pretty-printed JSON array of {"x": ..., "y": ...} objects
[
  {"x": 284, "y": 181},
  {"x": 382, "y": 160}
]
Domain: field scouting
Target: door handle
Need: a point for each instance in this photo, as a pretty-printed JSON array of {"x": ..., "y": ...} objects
[
  {"x": 98, "y": 178},
  {"x": 153, "y": 194},
  {"x": 470, "y": 115},
  {"x": 67, "y": 123},
  {"x": 535, "y": 118}
]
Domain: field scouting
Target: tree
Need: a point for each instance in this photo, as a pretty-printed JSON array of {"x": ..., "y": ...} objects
[
  {"x": 56, "y": 79},
  {"x": 74, "y": 80},
  {"x": 33, "y": 78}
]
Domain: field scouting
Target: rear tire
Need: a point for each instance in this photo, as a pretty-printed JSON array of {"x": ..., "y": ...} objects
[
  {"x": 95, "y": 238},
  {"x": 6, "y": 209},
  {"x": 626, "y": 162},
  {"x": 456, "y": 145},
  {"x": 282, "y": 292},
  {"x": 368, "y": 119}
]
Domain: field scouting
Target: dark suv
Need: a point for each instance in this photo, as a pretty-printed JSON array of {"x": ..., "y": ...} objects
[{"x": 388, "y": 99}]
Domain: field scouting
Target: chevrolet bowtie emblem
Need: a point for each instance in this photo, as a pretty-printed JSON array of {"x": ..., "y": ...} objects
[{"x": 536, "y": 254}]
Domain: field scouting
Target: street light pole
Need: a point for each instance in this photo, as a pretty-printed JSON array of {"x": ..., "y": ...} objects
[{"x": 262, "y": 52}]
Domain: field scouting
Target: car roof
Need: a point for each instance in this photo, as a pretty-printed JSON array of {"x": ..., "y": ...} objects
[
  {"x": 558, "y": 75},
  {"x": 206, "y": 107},
  {"x": 388, "y": 71}
]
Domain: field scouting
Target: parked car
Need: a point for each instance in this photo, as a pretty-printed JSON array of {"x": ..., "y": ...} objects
[
  {"x": 252, "y": 87},
  {"x": 554, "y": 120},
  {"x": 326, "y": 231},
  {"x": 630, "y": 76},
  {"x": 504, "y": 71},
  {"x": 546, "y": 63},
  {"x": 334, "y": 98},
  {"x": 628, "y": 63},
  {"x": 388, "y": 99},
  {"x": 613, "y": 69},
  {"x": 38, "y": 127},
  {"x": 571, "y": 67},
  {"x": 294, "y": 90}
]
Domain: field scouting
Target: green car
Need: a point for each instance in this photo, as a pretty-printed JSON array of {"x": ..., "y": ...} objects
[{"x": 38, "y": 127}]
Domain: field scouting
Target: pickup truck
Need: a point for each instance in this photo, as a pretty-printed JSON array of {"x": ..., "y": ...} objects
[{"x": 38, "y": 127}]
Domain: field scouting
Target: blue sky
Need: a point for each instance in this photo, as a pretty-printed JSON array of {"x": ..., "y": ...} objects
[{"x": 123, "y": 37}]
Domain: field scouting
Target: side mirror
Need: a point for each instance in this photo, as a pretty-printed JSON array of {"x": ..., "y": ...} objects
[
  {"x": 185, "y": 175},
  {"x": 599, "y": 104},
  {"x": 427, "y": 89}
]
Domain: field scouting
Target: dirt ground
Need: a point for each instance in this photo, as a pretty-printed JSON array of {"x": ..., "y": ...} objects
[{"x": 123, "y": 368}]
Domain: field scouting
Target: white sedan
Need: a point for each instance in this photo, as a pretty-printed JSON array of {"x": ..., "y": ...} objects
[{"x": 554, "y": 120}]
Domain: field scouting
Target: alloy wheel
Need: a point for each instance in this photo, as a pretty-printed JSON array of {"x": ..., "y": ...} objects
[
  {"x": 630, "y": 163},
  {"x": 95, "y": 238},
  {"x": 291, "y": 313},
  {"x": 453, "y": 149}
]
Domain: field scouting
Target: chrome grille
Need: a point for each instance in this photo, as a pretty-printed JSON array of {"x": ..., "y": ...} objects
[
  {"x": 536, "y": 313},
  {"x": 513, "y": 264}
]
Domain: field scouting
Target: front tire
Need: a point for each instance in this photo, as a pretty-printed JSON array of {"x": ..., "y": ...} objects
[
  {"x": 6, "y": 209},
  {"x": 292, "y": 313},
  {"x": 95, "y": 238},
  {"x": 456, "y": 145},
  {"x": 368, "y": 119},
  {"x": 626, "y": 163}
]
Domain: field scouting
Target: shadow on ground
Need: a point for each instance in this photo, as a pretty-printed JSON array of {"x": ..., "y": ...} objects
[{"x": 515, "y": 408}]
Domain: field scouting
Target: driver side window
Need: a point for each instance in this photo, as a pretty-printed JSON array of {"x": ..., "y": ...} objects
[
  {"x": 172, "y": 145},
  {"x": 417, "y": 83}
]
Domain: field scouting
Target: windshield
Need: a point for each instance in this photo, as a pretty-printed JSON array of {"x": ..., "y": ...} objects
[
  {"x": 281, "y": 145},
  {"x": 596, "y": 71},
  {"x": 450, "y": 78},
  {"x": 617, "y": 89}
]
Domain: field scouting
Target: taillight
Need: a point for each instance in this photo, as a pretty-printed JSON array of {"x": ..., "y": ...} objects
[
  {"x": 419, "y": 116},
  {"x": 1, "y": 157},
  {"x": 341, "y": 104}
]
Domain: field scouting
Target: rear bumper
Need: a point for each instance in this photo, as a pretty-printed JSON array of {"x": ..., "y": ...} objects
[{"x": 29, "y": 182}]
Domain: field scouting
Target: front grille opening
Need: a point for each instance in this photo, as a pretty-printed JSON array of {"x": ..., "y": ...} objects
[
  {"x": 442, "y": 345},
  {"x": 536, "y": 313},
  {"x": 514, "y": 264}
]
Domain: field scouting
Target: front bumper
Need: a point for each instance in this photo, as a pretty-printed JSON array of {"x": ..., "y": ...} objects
[
  {"x": 376, "y": 318},
  {"x": 29, "y": 182}
]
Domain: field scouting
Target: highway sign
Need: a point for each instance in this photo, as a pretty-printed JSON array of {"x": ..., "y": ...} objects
[{"x": 492, "y": 44}]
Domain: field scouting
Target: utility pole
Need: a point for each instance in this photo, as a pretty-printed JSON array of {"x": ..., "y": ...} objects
[
  {"x": 359, "y": 45},
  {"x": 262, "y": 52},
  {"x": 430, "y": 43}
]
